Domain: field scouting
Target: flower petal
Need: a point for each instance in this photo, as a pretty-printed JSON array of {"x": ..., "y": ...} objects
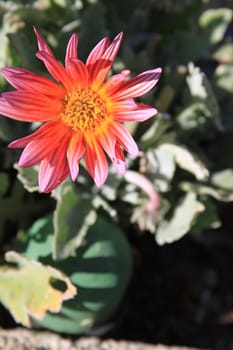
[
  {"x": 74, "y": 154},
  {"x": 121, "y": 106},
  {"x": 23, "y": 79},
  {"x": 42, "y": 45},
  {"x": 124, "y": 138},
  {"x": 39, "y": 147},
  {"x": 71, "y": 50},
  {"x": 96, "y": 162},
  {"x": 115, "y": 80},
  {"x": 138, "y": 85},
  {"x": 54, "y": 169},
  {"x": 78, "y": 73},
  {"x": 21, "y": 105},
  {"x": 47, "y": 130},
  {"x": 57, "y": 71},
  {"x": 108, "y": 143},
  {"x": 97, "y": 52},
  {"x": 59, "y": 144},
  {"x": 120, "y": 164},
  {"x": 142, "y": 113},
  {"x": 35, "y": 151},
  {"x": 99, "y": 70}
]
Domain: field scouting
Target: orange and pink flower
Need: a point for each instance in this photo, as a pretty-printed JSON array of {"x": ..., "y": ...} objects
[{"x": 82, "y": 113}]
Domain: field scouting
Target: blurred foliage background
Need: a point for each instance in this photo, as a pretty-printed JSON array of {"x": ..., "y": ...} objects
[{"x": 186, "y": 150}]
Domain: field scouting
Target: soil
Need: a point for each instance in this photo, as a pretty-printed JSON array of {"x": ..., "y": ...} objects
[{"x": 182, "y": 293}]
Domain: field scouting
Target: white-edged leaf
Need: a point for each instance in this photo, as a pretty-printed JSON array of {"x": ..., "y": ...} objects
[
  {"x": 217, "y": 193},
  {"x": 186, "y": 160},
  {"x": 28, "y": 177},
  {"x": 214, "y": 23},
  {"x": 223, "y": 179},
  {"x": 195, "y": 81},
  {"x": 223, "y": 77},
  {"x": 172, "y": 230},
  {"x": 162, "y": 166},
  {"x": 73, "y": 216}
]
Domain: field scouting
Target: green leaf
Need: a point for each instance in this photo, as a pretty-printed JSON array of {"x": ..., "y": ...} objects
[
  {"x": 38, "y": 239},
  {"x": 100, "y": 268},
  {"x": 92, "y": 28},
  {"x": 181, "y": 221},
  {"x": 73, "y": 216},
  {"x": 155, "y": 132},
  {"x": 208, "y": 218},
  {"x": 136, "y": 61},
  {"x": 4, "y": 183},
  {"x": 214, "y": 23},
  {"x": 179, "y": 51},
  {"x": 18, "y": 208},
  {"x": 28, "y": 291}
]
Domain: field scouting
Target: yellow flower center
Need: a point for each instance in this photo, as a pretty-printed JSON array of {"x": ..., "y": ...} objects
[{"x": 84, "y": 110}]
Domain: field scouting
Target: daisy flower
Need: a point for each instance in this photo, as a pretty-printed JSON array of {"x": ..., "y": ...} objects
[{"x": 81, "y": 111}]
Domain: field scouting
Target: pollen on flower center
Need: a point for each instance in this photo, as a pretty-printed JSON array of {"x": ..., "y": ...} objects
[{"x": 84, "y": 110}]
